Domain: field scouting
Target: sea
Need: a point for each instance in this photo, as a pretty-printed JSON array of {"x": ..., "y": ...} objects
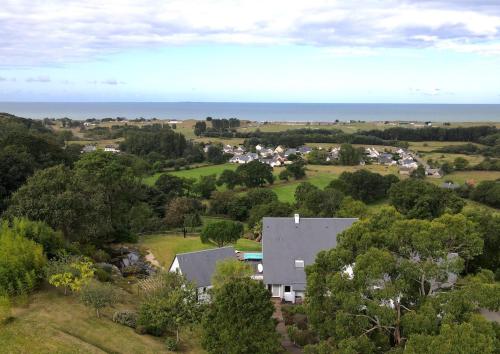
[{"x": 270, "y": 112}]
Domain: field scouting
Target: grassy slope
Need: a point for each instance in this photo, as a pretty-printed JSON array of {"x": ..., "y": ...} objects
[
  {"x": 54, "y": 323},
  {"x": 164, "y": 247}
]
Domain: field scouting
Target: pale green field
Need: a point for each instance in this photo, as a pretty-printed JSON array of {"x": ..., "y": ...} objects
[
  {"x": 195, "y": 173},
  {"x": 461, "y": 177},
  {"x": 446, "y": 157},
  {"x": 434, "y": 145}
]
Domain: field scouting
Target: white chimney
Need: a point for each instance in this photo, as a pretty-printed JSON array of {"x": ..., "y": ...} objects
[{"x": 297, "y": 218}]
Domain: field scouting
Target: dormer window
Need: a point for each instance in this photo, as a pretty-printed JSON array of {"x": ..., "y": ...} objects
[{"x": 299, "y": 263}]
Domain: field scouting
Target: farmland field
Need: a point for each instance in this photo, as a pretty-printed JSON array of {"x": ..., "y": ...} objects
[{"x": 195, "y": 173}]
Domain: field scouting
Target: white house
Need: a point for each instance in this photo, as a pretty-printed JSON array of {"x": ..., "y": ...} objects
[
  {"x": 290, "y": 244},
  {"x": 111, "y": 148},
  {"x": 198, "y": 267}
]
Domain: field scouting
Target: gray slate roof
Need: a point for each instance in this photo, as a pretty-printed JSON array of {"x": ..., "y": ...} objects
[
  {"x": 198, "y": 267},
  {"x": 284, "y": 241}
]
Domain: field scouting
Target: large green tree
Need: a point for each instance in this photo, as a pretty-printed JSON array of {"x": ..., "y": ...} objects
[
  {"x": 222, "y": 232},
  {"x": 419, "y": 199},
  {"x": 239, "y": 320},
  {"x": 255, "y": 174},
  {"x": 389, "y": 278}
]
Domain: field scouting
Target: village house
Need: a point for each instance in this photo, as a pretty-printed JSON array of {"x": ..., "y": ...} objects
[
  {"x": 88, "y": 148},
  {"x": 434, "y": 172},
  {"x": 198, "y": 267},
  {"x": 386, "y": 159},
  {"x": 246, "y": 158},
  {"x": 112, "y": 148},
  {"x": 304, "y": 150},
  {"x": 289, "y": 245}
]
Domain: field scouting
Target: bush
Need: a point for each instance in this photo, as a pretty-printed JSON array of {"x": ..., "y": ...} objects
[
  {"x": 5, "y": 307},
  {"x": 101, "y": 256},
  {"x": 97, "y": 295},
  {"x": 102, "y": 275},
  {"x": 171, "y": 344},
  {"x": 301, "y": 337},
  {"x": 126, "y": 317}
]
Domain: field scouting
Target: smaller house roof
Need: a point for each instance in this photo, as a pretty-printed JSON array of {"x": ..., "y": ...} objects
[{"x": 199, "y": 266}]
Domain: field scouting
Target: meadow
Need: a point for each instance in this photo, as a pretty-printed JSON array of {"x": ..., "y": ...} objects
[{"x": 56, "y": 323}]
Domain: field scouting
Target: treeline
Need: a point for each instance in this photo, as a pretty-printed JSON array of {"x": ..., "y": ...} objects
[
  {"x": 477, "y": 134},
  {"x": 27, "y": 146},
  {"x": 219, "y": 127},
  {"x": 298, "y": 137}
]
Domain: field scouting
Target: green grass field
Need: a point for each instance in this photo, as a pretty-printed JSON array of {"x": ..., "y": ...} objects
[
  {"x": 54, "y": 323},
  {"x": 461, "y": 177},
  {"x": 165, "y": 246},
  {"x": 195, "y": 173}
]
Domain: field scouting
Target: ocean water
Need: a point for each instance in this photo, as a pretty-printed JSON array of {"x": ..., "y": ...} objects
[{"x": 293, "y": 112}]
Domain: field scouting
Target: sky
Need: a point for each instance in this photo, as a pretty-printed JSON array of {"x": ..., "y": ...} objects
[{"x": 387, "y": 51}]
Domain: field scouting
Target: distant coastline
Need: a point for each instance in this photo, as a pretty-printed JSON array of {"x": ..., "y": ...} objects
[{"x": 271, "y": 112}]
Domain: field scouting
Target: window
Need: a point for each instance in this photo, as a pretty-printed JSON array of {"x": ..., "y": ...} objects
[
  {"x": 287, "y": 288},
  {"x": 299, "y": 263}
]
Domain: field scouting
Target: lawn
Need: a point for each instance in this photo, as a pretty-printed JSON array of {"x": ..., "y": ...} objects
[
  {"x": 461, "y": 177},
  {"x": 54, "y": 323},
  {"x": 434, "y": 145},
  {"x": 195, "y": 173},
  {"x": 165, "y": 246}
]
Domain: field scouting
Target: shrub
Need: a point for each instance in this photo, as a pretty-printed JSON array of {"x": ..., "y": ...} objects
[
  {"x": 301, "y": 337},
  {"x": 102, "y": 275},
  {"x": 126, "y": 317},
  {"x": 101, "y": 256},
  {"x": 171, "y": 344},
  {"x": 97, "y": 295}
]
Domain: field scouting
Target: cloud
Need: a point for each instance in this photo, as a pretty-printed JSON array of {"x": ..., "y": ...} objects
[
  {"x": 112, "y": 82},
  {"x": 58, "y": 31},
  {"x": 2, "y": 79},
  {"x": 42, "y": 78}
]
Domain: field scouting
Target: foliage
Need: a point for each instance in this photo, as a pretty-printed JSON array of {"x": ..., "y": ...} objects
[
  {"x": 239, "y": 320},
  {"x": 259, "y": 196},
  {"x": 402, "y": 271},
  {"x": 316, "y": 202},
  {"x": 179, "y": 209},
  {"x": 230, "y": 178},
  {"x": 21, "y": 262},
  {"x": 170, "y": 303},
  {"x": 301, "y": 337},
  {"x": 229, "y": 270},
  {"x": 418, "y": 173},
  {"x": 460, "y": 163},
  {"x": 126, "y": 317},
  {"x": 97, "y": 295},
  {"x": 5, "y": 308},
  {"x": 216, "y": 155},
  {"x": 297, "y": 169},
  {"x": 351, "y": 208},
  {"x": 222, "y": 232},
  {"x": 205, "y": 186},
  {"x": 255, "y": 174},
  {"x": 487, "y": 192},
  {"x": 69, "y": 272},
  {"x": 171, "y": 344},
  {"x": 349, "y": 155},
  {"x": 418, "y": 199},
  {"x": 271, "y": 209},
  {"x": 199, "y": 128},
  {"x": 52, "y": 241},
  {"x": 365, "y": 185},
  {"x": 318, "y": 157}
]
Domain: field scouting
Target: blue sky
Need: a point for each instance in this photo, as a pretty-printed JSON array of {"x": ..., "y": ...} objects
[{"x": 254, "y": 51}]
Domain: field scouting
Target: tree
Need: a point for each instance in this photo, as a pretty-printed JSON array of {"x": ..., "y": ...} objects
[
  {"x": 222, "y": 232},
  {"x": 52, "y": 241},
  {"x": 200, "y": 128},
  {"x": 351, "y": 208},
  {"x": 255, "y": 174},
  {"x": 229, "y": 270},
  {"x": 169, "y": 304},
  {"x": 275, "y": 209},
  {"x": 418, "y": 199},
  {"x": 21, "y": 262},
  {"x": 365, "y": 185},
  {"x": 297, "y": 169},
  {"x": 259, "y": 196},
  {"x": 230, "y": 178},
  {"x": 239, "y": 320},
  {"x": 216, "y": 155},
  {"x": 316, "y": 202},
  {"x": 205, "y": 185},
  {"x": 179, "y": 208},
  {"x": 460, "y": 163},
  {"x": 172, "y": 186},
  {"x": 487, "y": 192},
  {"x": 70, "y": 272},
  {"x": 399, "y": 279},
  {"x": 348, "y": 155},
  {"x": 418, "y": 173},
  {"x": 97, "y": 295}
]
